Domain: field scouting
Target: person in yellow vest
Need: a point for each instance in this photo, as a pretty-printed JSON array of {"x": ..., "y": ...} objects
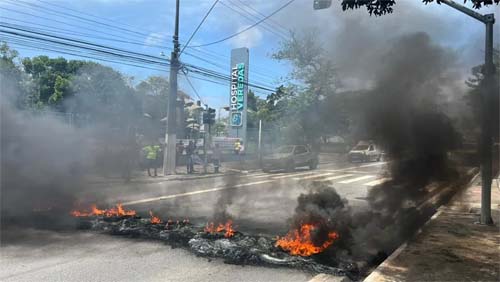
[
  {"x": 237, "y": 147},
  {"x": 151, "y": 152}
]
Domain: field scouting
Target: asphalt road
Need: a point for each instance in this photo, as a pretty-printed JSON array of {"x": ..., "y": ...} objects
[
  {"x": 67, "y": 257},
  {"x": 258, "y": 202}
]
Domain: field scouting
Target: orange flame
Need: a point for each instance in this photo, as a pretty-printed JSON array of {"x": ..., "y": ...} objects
[
  {"x": 154, "y": 219},
  {"x": 299, "y": 242},
  {"x": 115, "y": 211},
  {"x": 227, "y": 228}
]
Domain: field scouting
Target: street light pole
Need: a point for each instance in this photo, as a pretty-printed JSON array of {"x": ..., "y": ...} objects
[
  {"x": 487, "y": 109},
  {"x": 486, "y": 146},
  {"x": 170, "y": 136}
]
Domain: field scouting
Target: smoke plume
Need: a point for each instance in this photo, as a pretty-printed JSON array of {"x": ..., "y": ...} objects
[
  {"x": 403, "y": 114},
  {"x": 42, "y": 161}
]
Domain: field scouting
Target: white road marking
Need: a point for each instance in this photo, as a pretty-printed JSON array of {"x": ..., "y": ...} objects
[
  {"x": 262, "y": 176},
  {"x": 313, "y": 176},
  {"x": 354, "y": 167},
  {"x": 257, "y": 175},
  {"x": 337, "y": 177},
  {"x": 147, "y": 200},
  {"x": 292, "y": 175},
  {"x": 260, "y": 173},
  {"x": 377, "y": 182},
  {"x": 356, "y": 179}
]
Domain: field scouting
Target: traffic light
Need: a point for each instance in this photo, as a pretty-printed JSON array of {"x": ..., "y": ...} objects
[
  {"x": 209, "y": 116},
  {"x": 206, "y": 120},
  {"x": 322, "y": 4}
]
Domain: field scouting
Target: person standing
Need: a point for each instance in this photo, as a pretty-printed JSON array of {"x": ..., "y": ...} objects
[
  {"x": 241, "y": 152},
  {"x": 179, "y": 149},
  {"x": 190, "y": 150},
  {"x": 217, "y": 158},
  {"x": 237, "y": 147},
  {"x": 151, "y": 151}
]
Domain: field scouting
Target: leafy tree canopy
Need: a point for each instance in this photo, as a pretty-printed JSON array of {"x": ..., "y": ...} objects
[{"x": 382, "y": 7}]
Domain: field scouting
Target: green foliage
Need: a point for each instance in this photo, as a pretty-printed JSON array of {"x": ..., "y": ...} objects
[
  {"x": 153, "y": 92},
  {"x": 51, "y": 78},
  {"x": 61, "y": 86},
  {"x": 311, "y": 65},
  {"x": 382, "y": 7},
  {"x": 476, "y": 84},
  {"x": 219, "y": 128},
  {"x": 103, "y": 93},
  {"x": 298, "y": 109}
]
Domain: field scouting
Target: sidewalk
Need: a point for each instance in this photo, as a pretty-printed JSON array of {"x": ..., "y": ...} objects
[{"x": 451, "y": 246}]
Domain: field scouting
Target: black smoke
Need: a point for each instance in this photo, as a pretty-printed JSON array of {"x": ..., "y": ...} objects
[{"x": 403, "y": 113}]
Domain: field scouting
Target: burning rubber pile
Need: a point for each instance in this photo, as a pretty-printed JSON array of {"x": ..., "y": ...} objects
[{"x": 297, "y": 249}]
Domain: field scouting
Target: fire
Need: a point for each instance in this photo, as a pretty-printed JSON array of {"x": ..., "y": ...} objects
[
  {"x": 227, "y": 228},
  {"x": 299, "y": 242},
  {"x": 154, "y": 219},
  {"x": 114, "y": 211}
]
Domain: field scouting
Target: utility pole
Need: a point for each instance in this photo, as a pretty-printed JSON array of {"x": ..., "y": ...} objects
[
  {"x": 486, "y": 145},
  {"x": 259, "y": 146},
  {"x": 205, "y": 157},
  {"x": 170, "y": 136}
]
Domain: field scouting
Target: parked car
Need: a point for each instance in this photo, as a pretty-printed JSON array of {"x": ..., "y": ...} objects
[
  {"x": 364, "y": 152},
  {"x": 290, "y": 157}
]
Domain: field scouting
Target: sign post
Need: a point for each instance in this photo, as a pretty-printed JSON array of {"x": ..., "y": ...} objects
[{"x": 238, "y": 94}]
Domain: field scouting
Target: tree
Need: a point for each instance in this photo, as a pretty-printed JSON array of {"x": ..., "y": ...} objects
[
  {"x": 311, "y": 65},
  {"x": 253, "y": 102},
  {"x": 382, "y": 7},
  {"x": 316, "y": 81},
  {"x": 50, "y": 79},
  {"x": 153, "y": 93},
  {"x": 104, "y": 95},
  {"x": 476, "y": 84},
  {"x": 10, "y": 74}
]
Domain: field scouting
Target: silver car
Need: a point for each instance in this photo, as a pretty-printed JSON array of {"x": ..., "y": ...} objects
[
  {"x": 365, "y": 152},
  {"x": 290, "y": 157}
]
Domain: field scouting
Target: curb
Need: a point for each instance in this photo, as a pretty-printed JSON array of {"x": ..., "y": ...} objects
[
  {"x": 374, "y": 275},
  {"x": 377, "y": 273}
]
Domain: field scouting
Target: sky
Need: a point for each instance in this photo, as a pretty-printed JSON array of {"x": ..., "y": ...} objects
[{"x": 149, "y": 24}]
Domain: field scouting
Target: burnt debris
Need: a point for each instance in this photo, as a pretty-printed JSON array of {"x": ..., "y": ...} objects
[{"x": 240, "y": 248}]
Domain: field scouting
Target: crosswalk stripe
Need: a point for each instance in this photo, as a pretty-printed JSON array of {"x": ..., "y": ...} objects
[
  {"x": 292, "y": 175},
  {"x": 377, "y": 182},
  {"x": 354, "y": 167},
  {"x": 263, "y": 175},
  {"x": 356, "y": 179},
  {"x": 258, "y": 174},
  {"x": 337, "y": 177},
  {"x": 192, "y": 193},
  {"x": 312, "y": 176}
]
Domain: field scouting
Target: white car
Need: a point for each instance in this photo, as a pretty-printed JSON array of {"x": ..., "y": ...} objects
[{"x": 365, "y": 152}]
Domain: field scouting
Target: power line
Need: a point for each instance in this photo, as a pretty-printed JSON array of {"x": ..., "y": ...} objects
[
  {"x": 147, "y": 57},
  {"x": 192, "y": 87},
  {"x": 36, "y": 47},
  {"x": 250, "y": 17},
  {"x": 198, "y": 27},
  {"x": 245, "y": 29},
  {"x": 271, "y": 21},
  {"x": 70, "y": 32},
  {"x": 62, "y": 22},
  {"x": 86, "y": 19},
  {"x": 126, "y": 39},
  {"x": 115, "y": 52}
]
